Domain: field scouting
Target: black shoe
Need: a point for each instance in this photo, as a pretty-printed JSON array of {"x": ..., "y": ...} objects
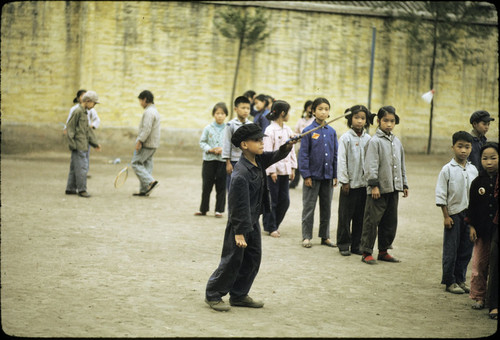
[
  {"x": 139, "y": 194},
  {"x": 151, "y": 187},
  {"x": 345, "y": 252},
  {"x": 71, "y": 192}
]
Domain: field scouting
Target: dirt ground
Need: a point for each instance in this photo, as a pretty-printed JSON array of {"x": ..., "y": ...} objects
[{"x": 121, "y": 266}]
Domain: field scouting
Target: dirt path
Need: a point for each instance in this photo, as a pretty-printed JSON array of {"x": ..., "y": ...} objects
[{"x": 121, "y": 266}]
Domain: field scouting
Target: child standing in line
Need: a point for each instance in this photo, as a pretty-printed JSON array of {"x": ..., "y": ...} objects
[
  {"x": 318, "y": 167},
  {"x": 248, "y": 197},
  {"x": 280, "y": 173},
  {"x": 230, "y": 154},
  {"x": 452, "y": 195},
  {"x": 480, "y": 121},
  {"x": 306, "y": 119},
  {"x": 261, "y": 103},
  {"x": 385, "y": 173},
  {"x": 351, "y": 158},
  {"x": 79, "y": 136},
  {"x": 479, "y": 216},
  {"x": 214, "y": 168}
]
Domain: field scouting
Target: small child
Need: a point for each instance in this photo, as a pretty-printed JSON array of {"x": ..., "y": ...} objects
[
  {"x": 479, "y": 216},
  {"x": 306, "y": 119},
  {"x": 261, "y": 104},
  {"x": 351, "y": 158},
  {"x": 480, "y": 121},
  {"x": 214, "y": 168},
  {"x": 280, "y": 173},
  {"x": 80, "y": 135},
  {"x": 248, "y": 197},
  {"x": 229, "y": 153},
  {"x": 452, "y": 195},
  {"x": 318, "y": 167},
  {"x": 385, "y": 173}
]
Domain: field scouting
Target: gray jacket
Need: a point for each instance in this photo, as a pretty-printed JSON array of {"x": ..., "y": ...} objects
[
  {"x": 385, "y": 163},
  {"x": 351, "y": 157},
  {"x": 149, "y": 128}
]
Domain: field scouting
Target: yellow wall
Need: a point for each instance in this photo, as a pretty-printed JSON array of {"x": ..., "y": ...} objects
[{"x": 51, "y": 49}]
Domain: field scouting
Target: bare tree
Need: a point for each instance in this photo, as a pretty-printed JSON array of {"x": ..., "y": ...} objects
[
  {"x": 246, "y": 28},
  {"x": 442, "y": 27}
]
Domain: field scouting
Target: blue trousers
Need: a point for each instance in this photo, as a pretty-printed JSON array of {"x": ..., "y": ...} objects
[
  {"x": 280, "y": 201},
  {"x": 457, "y": 250},
  {"x": 238, "y": 267}
]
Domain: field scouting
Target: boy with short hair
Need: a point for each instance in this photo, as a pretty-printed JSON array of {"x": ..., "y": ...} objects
[
  {"x": 480, "y": 121},
  {"x": 80, "y": 135},
  {"x": 248, "y": 198},
  {"x": 230, "y": 153},
  {"x": 452, "y": 195}
]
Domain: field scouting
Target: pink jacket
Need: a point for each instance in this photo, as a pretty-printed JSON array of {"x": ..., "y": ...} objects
[{"x": 275, "y": 137}]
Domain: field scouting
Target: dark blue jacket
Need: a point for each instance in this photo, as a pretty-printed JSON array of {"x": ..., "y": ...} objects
[
  {"x": 318, "y": 153},
  {"x": 475, "y": 157}
]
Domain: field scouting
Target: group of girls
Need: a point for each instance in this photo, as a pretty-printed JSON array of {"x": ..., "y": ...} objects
[{"x": 322, "y": 160}]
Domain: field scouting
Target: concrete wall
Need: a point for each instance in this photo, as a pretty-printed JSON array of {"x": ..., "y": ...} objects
[{"x": 50, "y": 49}]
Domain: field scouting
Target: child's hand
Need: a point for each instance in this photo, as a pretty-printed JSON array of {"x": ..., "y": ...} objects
[
  {"x": 240, "y": 241},
  {"x": 334, "y": 182},
  {"x": 292, "y": 175},
  {"x": 375, "y": 193},
  {"x": 472, "y": 234},
  {"x": 448, "y": 222},
  {"x": 138, "y": 145},
  {"x": 345, "y": 188},
  {"x": 98, "y": 148},
  {"x": 405, "y": 192},
  {"x": 229, "y": 168},
  {"x": 218, "y": 150},
  {"x": 308, "y": 182},
  {"x": 274, "y": 177}
]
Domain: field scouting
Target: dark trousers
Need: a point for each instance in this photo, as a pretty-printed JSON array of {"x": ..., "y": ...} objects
[
  {"x": 238, "y": 267},
  {"x": 457, "y": 250},
  {"x": 492, "y": 294},
  {"x": 228, "y": 177},
  {"x": 213, "y": 172},
  {"x": 296, "y": 179},
  {"x": 380, "y": 218},
  {"x": 280, "y": 201},
  {"x": 78, "y": 168},
  {"x": 324, "y": 190},
  {"x": 351, "y": 208}
]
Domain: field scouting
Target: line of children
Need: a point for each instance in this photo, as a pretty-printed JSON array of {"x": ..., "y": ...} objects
[
  {"x": 213, "y": 168},
  {"x": 231, "y": 154},
  {"x": 280, "y": 173},
  {"x": 318, "y": 167},
  {"x": 352, "y": 198},
  {"x": 248, "y": 198},
  {"x": 385, "y": 173},
  {"x": 306, "y": 119},
  {"x": 480, "y": 214},
  {"x": 452, "y": 195}
]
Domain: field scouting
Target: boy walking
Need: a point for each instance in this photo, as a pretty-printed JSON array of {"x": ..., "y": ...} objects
[
  {"x": 248, "y": 198},
  {"x": 80, "y": 135},
  {"x": 230, "y": 153},
  {"x": 452, "y": 195},
  {"x": 148, "y": 140}
]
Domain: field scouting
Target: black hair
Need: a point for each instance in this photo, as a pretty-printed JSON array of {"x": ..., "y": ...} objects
[
  {"x": 488, "y": 145},
  {"x": 319, "y": 101},
  {"x": 461, "y": 135},
  {"x": 241, "y": 100},
  {"x": 306, "y": 105},
  {"x": 359, "y": 108},
  {"x": 385, "y": 110},
  {"x": 249, "y": 94},
  {"x": 78, "y": 94},
  {"x": 146, "y": 94},
  {"x": 278, "y": 107},
  {"x": 220, "y": 105},
  {"x": 263, "y": 98}
]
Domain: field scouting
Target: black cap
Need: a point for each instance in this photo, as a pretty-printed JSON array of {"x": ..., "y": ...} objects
[
  {"x": 246, "y": 132},
  {"x": 481, "y": 116}
]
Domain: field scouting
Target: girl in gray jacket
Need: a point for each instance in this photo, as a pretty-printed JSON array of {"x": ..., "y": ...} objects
[{"x": 385, "y": 173}]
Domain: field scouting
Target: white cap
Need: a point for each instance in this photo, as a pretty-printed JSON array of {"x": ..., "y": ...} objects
[{"x": 90, "y": 96}]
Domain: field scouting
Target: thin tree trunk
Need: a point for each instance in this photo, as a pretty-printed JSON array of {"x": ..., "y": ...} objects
[
  {"x": 433, "y": 65},
  {"x": 240, "y": 48}
]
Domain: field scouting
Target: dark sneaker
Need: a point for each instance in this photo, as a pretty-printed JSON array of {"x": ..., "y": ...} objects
[
  {"x": 246, "y": 301},
  {"x": 345, "y": 252},
  {"x": 153, "y": 185},
  {"x": 71, "y": 192},
  {"x": 218, "y": 305}
]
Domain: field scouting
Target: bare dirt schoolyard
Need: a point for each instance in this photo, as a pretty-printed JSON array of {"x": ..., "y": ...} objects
[{"x": 121, "y": 266}]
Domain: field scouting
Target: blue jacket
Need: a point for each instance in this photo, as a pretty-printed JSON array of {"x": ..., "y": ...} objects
[
  {"x": 261, "y": 120},
  {"x": 318, "y": 153}
]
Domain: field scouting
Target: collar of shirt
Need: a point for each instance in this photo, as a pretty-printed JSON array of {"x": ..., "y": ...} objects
[
  {"x": 455, "y": 163},
  {"x": 382, "y": 134},
  {"x": 353, "y": 133}
]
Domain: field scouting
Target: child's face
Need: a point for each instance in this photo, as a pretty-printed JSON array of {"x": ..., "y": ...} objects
[
  {"x": 89, "y": 105},
  {"x": 387, "y": 123},
  {"x": 259, "y": 104},
  {"x": 322, "y": 112},
  {"x": 219, "y": 116},
  {"x": 358, "y": 121},
  {"x": 242, "y": 110},
  {"x": 254, "y": 146},
  {"x": 481, "y": 127},
  {"x": 489, "y": 160},
  {"x": 462, "y": 150},
  {"x": 143, "y": 102}
]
